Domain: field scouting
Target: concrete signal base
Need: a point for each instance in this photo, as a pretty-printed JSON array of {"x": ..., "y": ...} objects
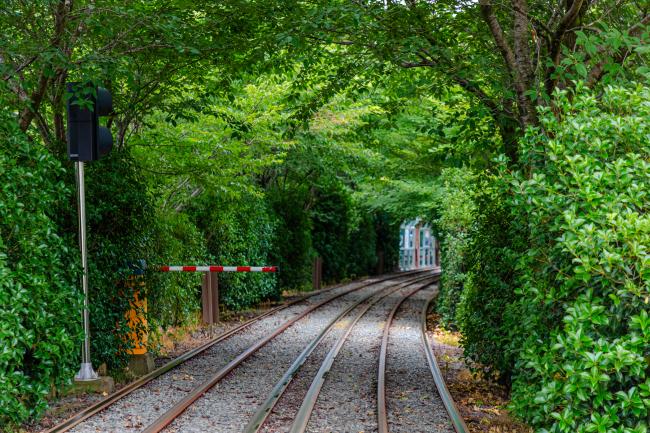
[
  {"x": 102, "y": 385},
  {"x": 141, "y": 364}
]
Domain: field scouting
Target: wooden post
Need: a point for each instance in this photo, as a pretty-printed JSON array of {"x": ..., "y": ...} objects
[
  {"x": 380, "y": 263},
  {"x": 317, "y": 273},
  {"x": 437, "y": 252},
  {"x": 416, "y": 246},
  {"x": 210, "y": 297}
]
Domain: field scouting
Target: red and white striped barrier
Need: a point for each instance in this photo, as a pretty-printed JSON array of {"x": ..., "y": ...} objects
[{"x": 219, "y": 268}]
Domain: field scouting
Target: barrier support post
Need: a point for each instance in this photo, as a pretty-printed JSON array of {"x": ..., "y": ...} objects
[{"x": 210, "y": 297}]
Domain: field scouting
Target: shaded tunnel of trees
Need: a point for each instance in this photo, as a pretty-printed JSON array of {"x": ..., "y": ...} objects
[{"x": 265, "y": 132}]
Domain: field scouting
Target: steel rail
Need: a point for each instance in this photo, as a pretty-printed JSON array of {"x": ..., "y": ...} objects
[
  {"x": 133, "y": 386},
  {"x": 382, "y": 413},
  {"x": 306, "y": 408},
  {"x": 178, "y": 408},
  {"x": 445, "y": 396},
  {"x": 264, "y": 410}
]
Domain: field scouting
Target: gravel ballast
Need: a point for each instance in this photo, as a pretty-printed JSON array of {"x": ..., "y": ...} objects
[
  {"x": 348, "y": 399},
  {"x": 230, "y": 404},
  {"x": 139, "y": 409},
  {"x": 286, "y": 408},
  {"x": 347, "y": 402},
  {"x": 413, "y": 404}
]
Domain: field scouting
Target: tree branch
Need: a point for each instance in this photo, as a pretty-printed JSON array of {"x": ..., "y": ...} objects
[
  {"x": 518, "y": 65},
  {"x": 36, "y": 98},
  {"x": 20, "y": 67},
  {"x": 567, "y": 21},
  {"x": 474, "y": 89},
  {"x": 29, "y": 112},
  {"x": 555, "y": 48},
  {"x": 44, "y": 130},
  {"x": 498, "y": 35},
  {"x": 466, "y": 85},
  {"x": 520, "y": 37}
]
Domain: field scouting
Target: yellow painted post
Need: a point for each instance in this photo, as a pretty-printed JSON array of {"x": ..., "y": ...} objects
[{"x": 136, "y": 316}]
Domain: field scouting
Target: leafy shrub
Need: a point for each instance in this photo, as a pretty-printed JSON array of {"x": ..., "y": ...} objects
[
  {"x": 120, "y": 215},
  {"x": 174, "y": 298},
  {"x": 362, "y": 244},
  {"x": 39, "y": 302},
  {"x": 331, "y": 216},
  {"x": 292, "y": 250},
  {"x": 485, "y": 314},
  {"x": 387, "y": 232},
  {"x": 583, "y": 366},
  {"x": 239, "y": 231},
  {"x": 455, "y": 208}
]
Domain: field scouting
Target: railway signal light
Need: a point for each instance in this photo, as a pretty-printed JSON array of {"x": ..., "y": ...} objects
[{"x": 87, "y": 139}]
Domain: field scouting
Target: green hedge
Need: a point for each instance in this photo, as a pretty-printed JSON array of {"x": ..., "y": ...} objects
[
  {"x": 39, "y": 302},
  {"x": 348, "y": 236},
  {"x": 120, "y": 214},
  {"x": 126, "y": 225},
  {"x": 331, "y": 217},
  {"x": 557, "y": 289},
  {"x": 583, "y": 367},
  {"x": 485, "y": 311},
  {"x": 452, "y": 224},
  {"x": 239, "y": 231},
  {"x": 174, "y": 298},
  {"x": 292, "y": 247}
]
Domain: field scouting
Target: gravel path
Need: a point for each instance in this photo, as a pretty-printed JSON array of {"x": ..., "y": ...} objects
[
  {"x": 143, "y": 406},
  {"x": 412, "y": 399},
  {"x": 230, "y": 404}
]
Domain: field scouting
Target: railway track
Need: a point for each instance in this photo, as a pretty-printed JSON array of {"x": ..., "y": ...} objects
[
  {"x": 133, "y": 388},
  {"x": 307, "y": 407},
  {"x": 232, "y": 382},
  {"x": 408, "y": 384},
  {"x": 265, "y": 409}
]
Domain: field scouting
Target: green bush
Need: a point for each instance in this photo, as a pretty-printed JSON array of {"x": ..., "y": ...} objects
[
  {"x": 362, "y": 244},
  {"x": 452, "y": 226},
  {"x": 387, "y": 242},
  {"x": 239, "y": 231},
  {"x": 485, "y": 314},
  {"x": 120, "y": 215},
  {"x": 331, "y": 216},
  {"x": 348, "y": 236},
  {"x": 584, "y": 205},
  {"x": 124, "y": 227},
  {"x": 292, "y": 250},
  {"x": 174, "y": 298},
  {"x": 39, "y": 301}
]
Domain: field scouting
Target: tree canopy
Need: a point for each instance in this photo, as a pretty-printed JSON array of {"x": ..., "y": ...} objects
[{"x": 274, "y": 132}]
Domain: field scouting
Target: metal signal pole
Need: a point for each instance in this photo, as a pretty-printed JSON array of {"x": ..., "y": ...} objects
[{"x": 86, "y": 371}]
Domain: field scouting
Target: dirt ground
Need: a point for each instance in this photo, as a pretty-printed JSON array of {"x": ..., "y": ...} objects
[{"x": 482, "y": 403}]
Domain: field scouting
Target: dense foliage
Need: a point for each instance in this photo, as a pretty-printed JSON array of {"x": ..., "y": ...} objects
[
  {"x": 39, "y": 304},
  {"x": 582, "y": 366},
  {"x": 554, "y": 294},
  {"x": 237, "y": 231}
]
